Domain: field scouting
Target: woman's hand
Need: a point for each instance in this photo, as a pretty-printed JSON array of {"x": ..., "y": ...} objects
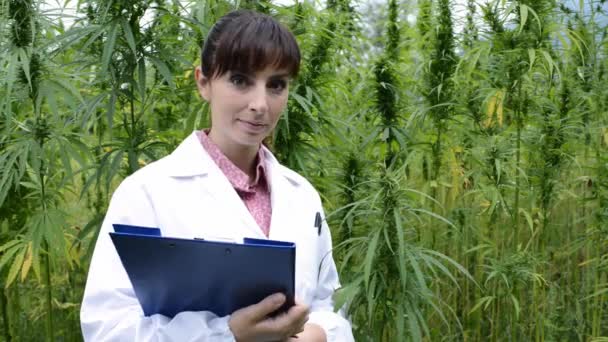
[
  {"x": 253, "y": 324},
  {"x": 312, "y": 333}
]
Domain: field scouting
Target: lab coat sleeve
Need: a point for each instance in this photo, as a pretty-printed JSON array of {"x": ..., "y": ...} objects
[
  {"x": 110, "y": 311},
  {"x": 337, "y": 328}
]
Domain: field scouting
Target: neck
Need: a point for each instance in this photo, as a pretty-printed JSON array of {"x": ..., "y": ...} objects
[{"x": 242, "y": 156}]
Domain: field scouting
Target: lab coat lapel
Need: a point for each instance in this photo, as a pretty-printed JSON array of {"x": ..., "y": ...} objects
[
  {"x": 189, "y": 160},
  {"x": 233, "y": 208},
  {"x": 281, "y": 191}
]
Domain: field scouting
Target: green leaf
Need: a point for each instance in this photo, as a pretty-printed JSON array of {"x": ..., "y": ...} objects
[
  {"x": 114, "y": 166},
  {"x": 163, "y": 69},
  {"x": 24, "y": 61},
  {"x": 532, "y": 58},
  {"x": 66, "y": 305},
  {"x": 141, "y": 73},
  {"x": 400, "y": 321},
  {"x": 345, "y": 294},
  {"x": 453, "y": 262},
  {"x": 108, "y": 47},
  {"x": 66, "y": 162},
  {"x": 485, "y": 302},
  {"x": 523, "y": 14},
  {"x": 27, "y": 263},
  {"x": 413, "y": 323},
  {"x": 75, "y": 34},
  {"x": 66, "y": 89},
  {"x": 110, "y": 109},
  {"x": 401, "y": 252},
  {"x": 77, "y": 150},
  {"x": 303, "y": 102},
  {"x": 7, "y": 246},
  {"x": 129, "y": 35},
  {"x": 54, "y": 224},
  {"x": 432, "y": 214},
  {"x": 36, "y": 263},
  {"x": 434, "y": 263},
  {"x": 421, "y": 281},
  {"x": 15, "y": 267},
  {"x": 515, "y": 305},
  {"x": 528, "y": 219},
  {"x": 551, "y": 62},
  {"x": 596, "y": 293},
  {"x": 368, "y": 262},
  {"x": 90, "y": 108}
]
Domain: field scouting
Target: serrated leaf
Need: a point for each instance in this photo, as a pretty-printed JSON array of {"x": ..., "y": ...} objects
[
  {"x": 412, "y": 322},
  {"x": 303, "y": 102},
  {"x": 24, "y": 61},
  {"x": 485, "y": 302},
  {"x": 417, "y": 272},
  {"x": 515, "y": 305},
  {"x": 27, "y": 263},
  {"x": 126, "y": 29},
  {"x": 15, "y": 267},
  {"x": 532, "y": 58},
  {"x": 369, "y": 257},
  {"x": 108, "y": 47},
  {"x": 401, "y": 252},
  {"x": 8, "y": 246},
  {"x": 345, "y": 294},
  {"x": 36, "y": 264},
  {"x": 163, "y": 69},
  {"x": 523, "y": 14},
  {"x": 528, "y": 219}
]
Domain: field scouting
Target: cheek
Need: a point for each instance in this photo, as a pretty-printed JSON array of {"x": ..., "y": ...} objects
[{"x": 278, "y": 105}]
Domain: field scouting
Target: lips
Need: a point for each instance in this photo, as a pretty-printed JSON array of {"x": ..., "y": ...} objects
[{"x": 253, "y": 125}]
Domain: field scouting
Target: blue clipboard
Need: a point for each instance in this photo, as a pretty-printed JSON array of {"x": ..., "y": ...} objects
[{"x": 172, "y": 275}]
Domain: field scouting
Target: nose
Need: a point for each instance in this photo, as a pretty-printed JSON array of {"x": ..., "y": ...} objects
[{"x": 258, "y": 103}]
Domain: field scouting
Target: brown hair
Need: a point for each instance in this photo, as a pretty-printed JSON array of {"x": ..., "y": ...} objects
[{"x": 248, "y": 42}]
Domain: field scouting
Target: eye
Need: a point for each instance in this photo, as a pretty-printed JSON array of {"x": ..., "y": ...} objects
[
  {"x": 239, "y": 81},
  {"x": 277, "y": 86}
]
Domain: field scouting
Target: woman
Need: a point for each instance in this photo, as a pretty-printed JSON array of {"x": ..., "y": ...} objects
[{"x": 223, "y": 182}]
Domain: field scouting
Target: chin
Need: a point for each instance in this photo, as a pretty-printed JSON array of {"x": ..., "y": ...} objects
[{"x": 251, "y": 141}]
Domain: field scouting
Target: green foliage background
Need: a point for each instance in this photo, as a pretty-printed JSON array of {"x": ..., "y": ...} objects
[{"x": 462, "y": 156}]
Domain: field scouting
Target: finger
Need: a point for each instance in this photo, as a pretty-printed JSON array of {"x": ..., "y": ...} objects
[
  {"x": 299, "y": 325},
  {"x": 299, "y": 305},
  {"x": 300, "y": 329},
  {"x": 295, "y": 319},
  {"x": 268, "y": 305},
  {"x": 299, "y": 310}
]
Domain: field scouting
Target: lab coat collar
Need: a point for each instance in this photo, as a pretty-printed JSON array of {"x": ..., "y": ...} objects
[{"x": 190, "y": 159}]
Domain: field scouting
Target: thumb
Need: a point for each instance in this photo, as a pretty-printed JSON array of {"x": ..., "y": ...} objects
[{"x": 267, "y": 306}]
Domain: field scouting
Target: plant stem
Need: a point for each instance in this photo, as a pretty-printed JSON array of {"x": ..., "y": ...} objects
[
  {"x": 5, "y": 318},
  {"x": 518, "y": 122},
  {"x": 49, "y": 295}
]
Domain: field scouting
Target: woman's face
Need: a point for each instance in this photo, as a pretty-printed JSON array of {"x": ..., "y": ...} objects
[{"x": 245, "y": 108}]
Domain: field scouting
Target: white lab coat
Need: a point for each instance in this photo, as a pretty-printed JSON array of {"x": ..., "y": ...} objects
[{"x": 186, "y": 195}]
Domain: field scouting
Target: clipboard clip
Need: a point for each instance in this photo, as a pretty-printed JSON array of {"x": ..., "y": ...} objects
[{"x": 318, "y": 223}]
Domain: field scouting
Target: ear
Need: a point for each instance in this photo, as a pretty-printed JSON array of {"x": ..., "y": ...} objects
[{"x": 202, "y": 83}]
